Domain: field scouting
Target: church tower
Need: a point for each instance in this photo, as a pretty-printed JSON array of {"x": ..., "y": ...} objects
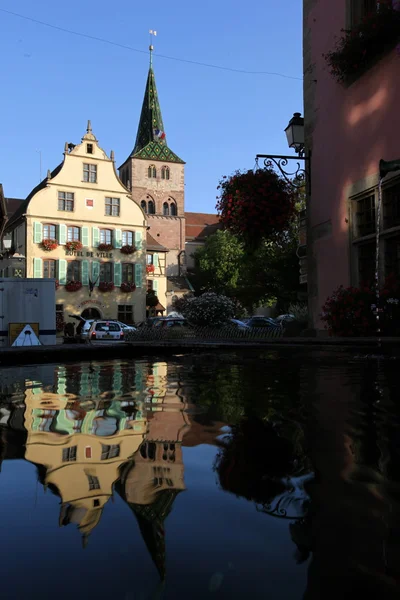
[{"x": 155, "y": 177}]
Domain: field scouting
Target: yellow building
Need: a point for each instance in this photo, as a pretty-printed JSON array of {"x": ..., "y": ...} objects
[{"x": 81, "y": 227}]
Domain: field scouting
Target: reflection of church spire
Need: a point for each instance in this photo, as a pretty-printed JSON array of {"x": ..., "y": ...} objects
[{"x": 151, "y": 519}]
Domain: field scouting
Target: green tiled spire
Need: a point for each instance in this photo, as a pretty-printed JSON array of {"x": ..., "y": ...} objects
[{"x": 147, "y": 145}]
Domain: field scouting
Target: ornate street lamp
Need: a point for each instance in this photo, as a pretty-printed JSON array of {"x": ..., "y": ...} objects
[{"x": 295, "y": 137}]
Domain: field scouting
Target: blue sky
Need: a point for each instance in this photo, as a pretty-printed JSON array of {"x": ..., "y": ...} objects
[{"x": 216, "y": 120}]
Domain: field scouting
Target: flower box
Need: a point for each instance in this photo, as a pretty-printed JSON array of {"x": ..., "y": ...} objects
[
  {"x": 48, "y": 245},
  {"x": 105, "y": 247},
  {"x": 127, "y": 249},
  {"x": 359, "y": 48},
  {"x": 127, "y": 287},
  {"x": 150, "y": 269},
  {"x": 106, "y": 286},
  {"x": 74, "y": 246},
  {"x": 73, "y": 286}
]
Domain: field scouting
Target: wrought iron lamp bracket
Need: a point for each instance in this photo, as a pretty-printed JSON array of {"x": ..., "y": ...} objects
[{"x": 296, "y": 179}]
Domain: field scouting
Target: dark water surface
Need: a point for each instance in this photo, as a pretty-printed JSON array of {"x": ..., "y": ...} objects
[{"x": 230, "y": 476}]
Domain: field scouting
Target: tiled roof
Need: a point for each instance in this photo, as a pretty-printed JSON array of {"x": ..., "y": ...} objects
[
  {"x": 12, "y": 205},
  {"x": 200, "y": 225},
  {"x": 152, "y": 244}
]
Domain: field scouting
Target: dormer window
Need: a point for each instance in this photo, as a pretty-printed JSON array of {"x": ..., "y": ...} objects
[
  {"x": 89, "y": 148},
  {"x": 152, "y": 172}
]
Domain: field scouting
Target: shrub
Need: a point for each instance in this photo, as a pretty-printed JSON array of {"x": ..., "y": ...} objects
[
  {"x": 299, "y": 311},
  {"x": 208, "y": 309},
  {"x": 48, "y": 244}
]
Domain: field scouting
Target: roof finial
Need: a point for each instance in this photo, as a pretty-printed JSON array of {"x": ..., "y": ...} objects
[
  {"x": 153, "y": 33},
  {"x": 89, "y": 127}
]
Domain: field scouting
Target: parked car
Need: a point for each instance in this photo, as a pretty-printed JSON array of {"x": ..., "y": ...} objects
[
  {"x": 238, "y": 324},
  {"x": 106, "y": 330},
  {"x": 167, "y": 322},
  {"x": 84, "y": 325},
  {"x": 262, "y": 322},
  {"x": 150, "y": 322},
  {"x": 285, "y": 318}
]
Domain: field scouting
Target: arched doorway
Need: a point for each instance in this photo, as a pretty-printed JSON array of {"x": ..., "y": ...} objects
[{"x": 91, "y": 313}]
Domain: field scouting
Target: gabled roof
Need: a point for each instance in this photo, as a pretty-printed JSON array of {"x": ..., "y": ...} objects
[
  {"x": 152, "y": 244},
  {"x": 12, "y": 205},
  {"x": 22, "y": 208},
  {"x": 200, "y": 225}
]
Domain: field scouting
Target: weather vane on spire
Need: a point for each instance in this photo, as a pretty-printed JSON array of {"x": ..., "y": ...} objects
[{"x": 153, "y": 33}]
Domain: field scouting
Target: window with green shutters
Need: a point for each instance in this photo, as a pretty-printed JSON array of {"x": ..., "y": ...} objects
[
  {"x": 37, "y": 268},
  {"x": 62, "y": 272},
  {"x": 138, "y": 275},
  {"x": 37, "y": 233},
  {"x": 155, "y": 259},
  {"x": 85, "y": 272},
  {"x": 62, "y": 234},
  {"x": 95, "y": 272},
  {"x": 95, "y": 236},
  {"x": 117, "y": 234},
  {"x": 117, "y": 274},
  {"x": 85, "y": 236},
  {"x": 128, "y": 273},
  {"x": 138, "y": 240}
]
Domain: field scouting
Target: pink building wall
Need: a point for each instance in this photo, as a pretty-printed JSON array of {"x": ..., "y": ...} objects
[{"x": 348, "y": 131}]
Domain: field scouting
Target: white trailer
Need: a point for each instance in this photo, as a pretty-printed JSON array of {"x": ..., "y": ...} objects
[{"x": 27, "y": 302}]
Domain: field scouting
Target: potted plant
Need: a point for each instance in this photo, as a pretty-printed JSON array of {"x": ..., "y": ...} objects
[
  {"x": 358, "y": 48},
  {"x": 127, "y": 287},
  {"x": 150, "y": 269},
  {"x": 106, "y": 286},
  {"x": 128, "y": 249},
  {"x": 105, "y": 247},
  {"x": 74, "y": 246},
  {"x": 255, "y": 204},
  {"x": 48, "y": 244},
  {"x": 73, "y": 286}
]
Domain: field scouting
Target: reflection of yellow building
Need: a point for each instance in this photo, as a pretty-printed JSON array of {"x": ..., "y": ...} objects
[{"x": 82, "y": 446}]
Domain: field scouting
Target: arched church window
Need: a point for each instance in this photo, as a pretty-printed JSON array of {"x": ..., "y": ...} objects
[
  {"x": 143, "y": 204},
  {"x": 151, "y": 209},
  {"x": 172, "y": 209},
  {"x": 152, "y": 172},
  {"x": 165, "y": 173},
  {"x": 165, "y": 209}
]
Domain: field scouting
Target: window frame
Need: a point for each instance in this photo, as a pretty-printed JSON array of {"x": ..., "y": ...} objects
[
  {"x": 166, "y": 209},
  {"x": 125, "y": 313},
  {"x": 110, "y": 231},
  {"x": 126, "y": 278},
  {"x": 109, "y": 266},
  {"x": 89, "y": 149},
  {"x": 165, "y": 173},
  {"x": 89, "y": 170},
  {"x": 173, "y": 209},
  {"x": 49, "y": 237},
  {"x": 75, "y": 262},
  {"x": 127, "y": 233},
  {"x": 54, "y": 263},
  {"x": 73, "y": 239},
  {"x": 109, "y": 204},
  {"x": 69, "y": 454},
  {"x": 152, "y": 172},
  {"x": 151, "y": 204},
  {"x": 65, "y": 201}
]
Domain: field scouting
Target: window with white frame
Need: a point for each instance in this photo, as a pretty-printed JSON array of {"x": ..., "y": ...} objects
[
  {"x": 127, "y": 238},
  {"x": 106, "y": 272},
  {"x": 112, "y": 207},
  {"x": 89, "y": 173},
  {"x": 69, "y": 454},
  {"x": 66, "y": 201},
  {"x": 49, "y": 231},
  {"x": 105, "y": 236},
  {"x": 73, "y": 233}
]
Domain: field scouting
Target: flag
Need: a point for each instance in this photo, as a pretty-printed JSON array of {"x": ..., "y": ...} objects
[
  {"x": 152, "y": 32},
  {"x": 91, "y": 285},
  {"x": 159, "y": 134}
]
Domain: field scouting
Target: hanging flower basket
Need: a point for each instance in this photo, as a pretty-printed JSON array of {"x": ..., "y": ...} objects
[
  {"x": 106, "y": 286},
  {"x": 358, "y": 48},
  {"x": 150, "y": 269},
  {"x": 73, "y": 286},
  {"x": 127, "y": 288},
  {"x": 74, "y": 246},
  {"x": 105, "y": 247},
  {"x": 127, "y": 249},
  {"x": 255, "y": 204},
  {"x": 48, "y": 245}
]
